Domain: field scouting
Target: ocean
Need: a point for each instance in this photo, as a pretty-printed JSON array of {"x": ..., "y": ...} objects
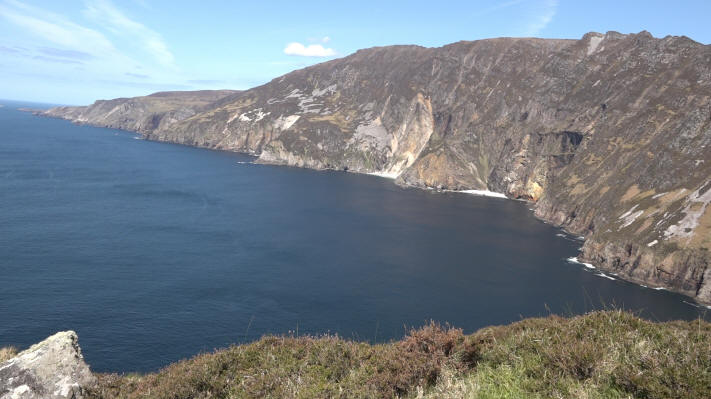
[{"x": 154, "y": 252}]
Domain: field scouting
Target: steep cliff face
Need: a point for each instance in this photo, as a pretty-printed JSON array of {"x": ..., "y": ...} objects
[{"x": 608, "y": 134}]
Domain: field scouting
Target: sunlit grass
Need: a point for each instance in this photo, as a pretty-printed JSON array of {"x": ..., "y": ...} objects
[
  {"x": 609, "y": 354},
  {"x": 7, "y": 353}
]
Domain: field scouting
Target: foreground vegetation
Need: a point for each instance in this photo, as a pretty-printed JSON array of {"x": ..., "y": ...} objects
[
  {"x": 610, "y": 354},
  {"x": 7, "y": 353}
]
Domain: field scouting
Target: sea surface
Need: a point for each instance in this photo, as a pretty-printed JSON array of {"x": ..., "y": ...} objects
[{"x": 154, "y": 252}]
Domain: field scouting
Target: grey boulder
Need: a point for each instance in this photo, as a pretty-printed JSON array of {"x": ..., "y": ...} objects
[{"x": 51, "y": 369}]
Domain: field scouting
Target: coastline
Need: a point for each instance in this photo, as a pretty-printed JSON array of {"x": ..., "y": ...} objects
[{"x": 393, "y": 177}]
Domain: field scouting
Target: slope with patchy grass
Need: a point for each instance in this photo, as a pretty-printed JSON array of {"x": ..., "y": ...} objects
[{"x": 609, "y": 354}]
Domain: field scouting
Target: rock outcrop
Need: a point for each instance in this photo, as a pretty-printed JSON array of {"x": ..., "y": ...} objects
[
  {"x": 609, "y": 135},
  {"x": 51, "y": 369}
]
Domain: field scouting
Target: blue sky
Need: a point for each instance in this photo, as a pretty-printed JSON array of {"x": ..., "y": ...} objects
[{"x": 74, "y": 52}]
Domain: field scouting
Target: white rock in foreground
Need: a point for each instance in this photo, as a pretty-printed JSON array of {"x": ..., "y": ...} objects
[{"x": 51, "y": 369}]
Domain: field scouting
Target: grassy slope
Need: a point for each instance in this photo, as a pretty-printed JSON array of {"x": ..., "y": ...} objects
[{"x": 609, "y": 354}]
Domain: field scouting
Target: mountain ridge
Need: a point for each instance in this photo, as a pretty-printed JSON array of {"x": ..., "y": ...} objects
[{"x": 609, "y": 135}]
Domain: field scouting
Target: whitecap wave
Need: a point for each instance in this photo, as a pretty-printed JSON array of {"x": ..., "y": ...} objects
[
  {"x": 697, "y": 305},
  {"x": 387, "y": 175},
  {"x": 605, "y": 275},
  {"x": 577, "y": 262}
]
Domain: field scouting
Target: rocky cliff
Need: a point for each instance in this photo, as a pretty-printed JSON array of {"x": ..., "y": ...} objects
[{"x": 609, "y": 135}]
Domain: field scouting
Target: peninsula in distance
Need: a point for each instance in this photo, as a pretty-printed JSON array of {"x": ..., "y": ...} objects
[{"x": 514, "y": 206}]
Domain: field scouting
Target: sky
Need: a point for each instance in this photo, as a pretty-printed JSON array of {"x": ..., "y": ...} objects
[{"x": 75, "y": 52}]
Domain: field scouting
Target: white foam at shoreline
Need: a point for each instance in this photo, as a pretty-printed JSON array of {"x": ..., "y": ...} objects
[
  {"x": 387, "y": 175},
  {"x": 483, "y": 193},
  {"x": 570, "y": 237},
  {"x": 576, "y": 261},
  {"x": 244, "y": 162},
  {"x": 605, "y": 275},
  {"x": 697, "y": 305},
  {"x": 589, "y": 266},
  {"x": 654, "y": 288}
]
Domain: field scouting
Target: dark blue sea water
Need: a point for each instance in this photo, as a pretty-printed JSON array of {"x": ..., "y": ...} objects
[{"x": 155, "y": 252}]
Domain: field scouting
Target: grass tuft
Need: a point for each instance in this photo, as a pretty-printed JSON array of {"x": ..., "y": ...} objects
[{"x": 7, "y": 353}]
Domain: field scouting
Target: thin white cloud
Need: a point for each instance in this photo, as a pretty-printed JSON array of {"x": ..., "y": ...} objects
[
  {"x": 63, "y": 53},
  {"x": 62, "y": 45},
  {"x": 326, "y": 39},
  {"x": 312, "y": 50},
  {"x": 543, "y": 16},
  {"x": 106, "y": 14},
  {"x": 57, "y": 59},
  {"x": 55, "y": 28}
]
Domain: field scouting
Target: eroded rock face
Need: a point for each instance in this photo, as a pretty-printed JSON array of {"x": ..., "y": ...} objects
[
  {"x": 51, "y": 369},
  {"x": 610, "y": 135}
]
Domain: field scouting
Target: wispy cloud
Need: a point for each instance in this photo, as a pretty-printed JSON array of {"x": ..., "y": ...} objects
[
  {"x": 104, "y": 12},
  {"x": 10, "y": 50},
  {"x": 49, "y": 54},
  {"x": 541, "y": 17},
  {"x": 64, "y": 53},
  {"x": 55, "y": 28},
  {"x": 112, "y": 50},
  {"x": 147, "y": 85},
  {"x": 58, "y": 60},
  {"x": 312, "y": 50}
]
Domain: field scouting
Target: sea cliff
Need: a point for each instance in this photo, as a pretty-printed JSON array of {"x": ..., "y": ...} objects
[{"x": 609, "y": 135}]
